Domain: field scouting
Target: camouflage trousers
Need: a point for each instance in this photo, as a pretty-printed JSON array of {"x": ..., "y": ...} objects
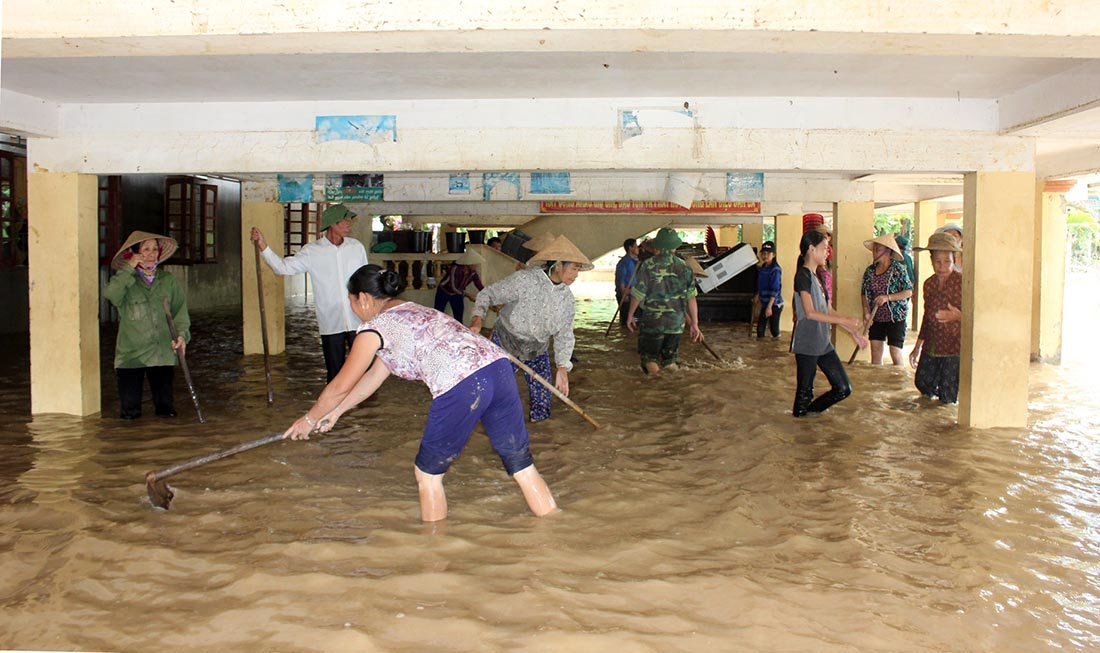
[{"x": 660, "y": 348}]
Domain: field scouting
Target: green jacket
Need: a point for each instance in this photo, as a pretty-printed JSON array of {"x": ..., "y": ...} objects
[{"x": 143, "y": 338}]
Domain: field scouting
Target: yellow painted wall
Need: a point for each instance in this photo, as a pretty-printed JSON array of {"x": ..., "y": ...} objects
[
  {"x": 788, "y": 232},
  {"x": 1049, "y": 270},
  {"x": 728, "y": 235},
  {"x": 64, "y": 293},
  {"x": 753, "y": 234},
  {"x": 999, "y": 213},
  {"x": 925, "y": 221},
  {"x": 853, "y": 223},
  {"x": 269, "y": 217}
]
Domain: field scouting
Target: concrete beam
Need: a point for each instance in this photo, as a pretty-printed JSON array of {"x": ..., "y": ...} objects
[
  {"x": 935, "y": 27},
  {"x": 1032, "y": 109},
  {"x": 28, "y": 115},
  {"x": 1081, "y": 160},
  {"x": 808, "y": 113},
  {"x": 572, "y": 149},
  {"x": 909, "y": 194},
  {"x": 635, "y": 185}
]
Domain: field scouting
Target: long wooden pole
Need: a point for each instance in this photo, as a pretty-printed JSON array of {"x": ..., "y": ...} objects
[
  {"x": 263, "y": 327},
  {"x": 183, "y": 359},
  {"x": 549, "y": 386}
]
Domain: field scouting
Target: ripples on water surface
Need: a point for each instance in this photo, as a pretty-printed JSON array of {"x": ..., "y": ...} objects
[{"x": 701, "y": 518}]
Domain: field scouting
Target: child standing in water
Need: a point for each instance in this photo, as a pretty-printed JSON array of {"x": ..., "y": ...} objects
[
  {"x": 769, "y": 285},
  {"x": 936, "y": 354},
  {"x": 812, "y": 345}
]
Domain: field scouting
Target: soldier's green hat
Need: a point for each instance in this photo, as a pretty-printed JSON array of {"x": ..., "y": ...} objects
[
  {"x": 334, "y": 214},
  {"x": 667, "y": 239}
]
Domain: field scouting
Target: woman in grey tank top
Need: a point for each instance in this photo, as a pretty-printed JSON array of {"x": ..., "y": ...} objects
[{"x": 812, "y": 345}]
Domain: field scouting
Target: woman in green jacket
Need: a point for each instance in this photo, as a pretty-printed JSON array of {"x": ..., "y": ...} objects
[{"x": 144, "y": 345}]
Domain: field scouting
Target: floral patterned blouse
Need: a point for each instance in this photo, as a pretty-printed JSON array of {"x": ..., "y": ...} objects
[
  {"x": 895, "y": 279},
  {"x": 941, "y": 338},
  {"x": 422, "y": 344},
  {"x": 535, "y": 310}
]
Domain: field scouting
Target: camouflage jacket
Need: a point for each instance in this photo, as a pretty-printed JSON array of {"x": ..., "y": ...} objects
[{"x": 663, "y": 286}]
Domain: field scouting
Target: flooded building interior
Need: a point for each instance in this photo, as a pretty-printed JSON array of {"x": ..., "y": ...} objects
[{"x": 701, "y": 516}]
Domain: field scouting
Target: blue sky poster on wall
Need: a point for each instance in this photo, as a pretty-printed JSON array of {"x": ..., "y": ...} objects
[
  {"x": 354, "y": 188},
  {"x": 295, "y": 188},
  {"x": 550, "y": 183},
  {"x": 365, "y": 129},
  {"x": 508, "y": 183},
  {"x": 745, "y": 186},
  {"x": 458, "y": 184}
]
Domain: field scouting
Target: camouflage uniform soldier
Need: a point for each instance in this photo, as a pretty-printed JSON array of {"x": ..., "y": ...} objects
[{"x": 665, "y": 289}]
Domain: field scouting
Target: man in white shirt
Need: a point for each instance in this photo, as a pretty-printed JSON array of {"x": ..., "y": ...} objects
[{"x": 330, "y": 260}]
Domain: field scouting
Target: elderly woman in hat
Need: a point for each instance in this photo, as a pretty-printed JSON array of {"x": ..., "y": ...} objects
[
  {"x": 538, "y": 306},
  {"x": 936, "y": 354},
  {"x": 452, "y": 288},
  {"x": 955, "y": 231},
  {"x": 144, "y": 347},
  {"x": 886, "y": 292}
]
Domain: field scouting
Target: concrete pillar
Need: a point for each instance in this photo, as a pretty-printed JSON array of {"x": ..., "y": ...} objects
[
  {"x": 925, "y": 221},
  {"x": 728, "y": 235},
  {"x": 853, "y": 223},
  {"x": 1049, "y": 271},
  {"x": 753, "y": 234},
  {"x": 999, "y": 214},
  {"x": 269, "y": 217},
  {"x": 788, "y": 232},
  {"x": 63, "y": 278}
]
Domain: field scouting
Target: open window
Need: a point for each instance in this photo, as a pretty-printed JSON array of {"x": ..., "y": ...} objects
[
  {"x": 190, "y": 216},
  {"x": 13, "y": 217},
  {"x": 302, "y": 223}
]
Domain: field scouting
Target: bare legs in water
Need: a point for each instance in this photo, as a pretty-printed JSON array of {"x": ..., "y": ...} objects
[{"x": 433, "y": 499}]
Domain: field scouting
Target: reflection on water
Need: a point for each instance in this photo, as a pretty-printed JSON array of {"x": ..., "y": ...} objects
[{"x": 702, "y": 517}]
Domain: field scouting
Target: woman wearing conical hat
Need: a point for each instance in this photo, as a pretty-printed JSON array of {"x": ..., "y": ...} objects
[
  {"x": 144, "y": 346},
  {"x": 886, "y": 292},
  {"x": 936, "y": 353},
  {"x": 538, "y": 307}
]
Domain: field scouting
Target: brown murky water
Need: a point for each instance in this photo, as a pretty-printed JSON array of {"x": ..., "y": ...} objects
[{"x": 701, "y": 518}]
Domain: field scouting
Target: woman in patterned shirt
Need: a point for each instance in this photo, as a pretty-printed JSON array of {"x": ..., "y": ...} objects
[
  {"x": 470, "y": 379},
  {"x": 538, "y": 306},
  {"x": 886, "y": 293},
  {"x": 936, "y": 354}
]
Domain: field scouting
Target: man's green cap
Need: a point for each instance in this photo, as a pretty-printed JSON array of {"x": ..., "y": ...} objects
[
  {"x": 667, "y": 239},
  {"x": 334, "y": 214}
]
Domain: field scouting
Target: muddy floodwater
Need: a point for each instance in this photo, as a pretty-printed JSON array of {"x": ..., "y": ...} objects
[{"x": 702, "y": 517}]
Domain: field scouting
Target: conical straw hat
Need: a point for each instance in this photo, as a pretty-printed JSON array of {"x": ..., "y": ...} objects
[
  {"x": 167, "y": 245},
  {"x": 539, "y": 241},
  {"x": 562, "y": 249},
  {"x": 888, "y": 242}
]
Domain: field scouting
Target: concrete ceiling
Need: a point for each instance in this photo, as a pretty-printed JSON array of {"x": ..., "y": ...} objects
[{"x": 392, "y": 76}]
